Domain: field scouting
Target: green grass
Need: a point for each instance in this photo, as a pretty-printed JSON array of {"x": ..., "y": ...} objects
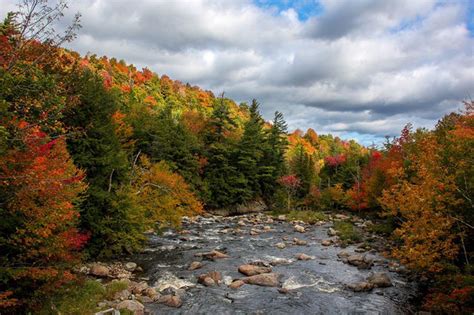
[
  {"x": 81, "y": 298},
  {"x": 78, "y": 299},
  {"x": 347, "y": 232},
  {"x": 385, "y": 228},
  {"x": 307, "y": 216},
  {"x": 114, "y": 287}
]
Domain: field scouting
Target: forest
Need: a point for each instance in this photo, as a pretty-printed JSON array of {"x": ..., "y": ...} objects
[{"x": 94, "y": 152}]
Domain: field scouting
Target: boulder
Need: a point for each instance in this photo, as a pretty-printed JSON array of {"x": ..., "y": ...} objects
[
  {"x": 210, "y": 279},
  {"x": 299, "y": 242},
  {"x": 280, "y": 261},
  {"x": 171, "y": 300},
  {"x": 332, "y": 232},
  {"x": 252, "y": 270},
  {"x": 139, "y": 287},
  {"x": 299, "y": 228},
  {"x": 99, "y": 270},
  {"x": 264, "y": 279},
  {"x": 360, "y": 261},
  {"x": 131, "y": 266},
  {"x": 215, "y": 275},
  {"x": 195, "y": 265},
  {"x": 327, "y": 242},
  {"x": 379, "y": 280},
  {"x": 122, "y": 295},
  {"x": 212, "y": 255},
  {"x": 134, "y": 306},
  {"x": 208, "y": 282},
  {"x": 304, "y": 257},
  {"x": 281, "y": 217},
  {"x": 254, "y": 232},
  {"x": 236, "y": 284},
  {"x": 280, "y": 245},
  {"x": 360, "y": 286},
  {"x": 343, "y": 254},
  {"x": 151, "y": 293}
]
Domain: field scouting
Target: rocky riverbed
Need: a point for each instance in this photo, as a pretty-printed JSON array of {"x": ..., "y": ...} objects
[{"x": 256, "y": 264}]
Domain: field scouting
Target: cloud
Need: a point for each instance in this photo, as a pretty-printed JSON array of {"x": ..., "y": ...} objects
[{"x": 358, "y": 69}]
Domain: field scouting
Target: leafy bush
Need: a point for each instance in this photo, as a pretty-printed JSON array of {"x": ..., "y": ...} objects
[{"x": 347, "y": 232}]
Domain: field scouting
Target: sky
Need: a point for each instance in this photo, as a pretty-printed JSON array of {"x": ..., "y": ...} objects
[{"x": 359, "y": 69}]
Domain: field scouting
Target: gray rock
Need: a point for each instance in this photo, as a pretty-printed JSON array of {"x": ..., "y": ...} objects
[{"x": 131, "y": 266}]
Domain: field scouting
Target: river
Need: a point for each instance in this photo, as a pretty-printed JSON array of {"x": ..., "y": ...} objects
[{"x": 316, "y": 286}]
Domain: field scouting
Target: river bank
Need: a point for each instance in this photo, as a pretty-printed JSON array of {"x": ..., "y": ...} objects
[{"x": 259, "y": 264}]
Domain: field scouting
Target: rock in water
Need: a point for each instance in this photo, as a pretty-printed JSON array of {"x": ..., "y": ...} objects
[
  {"x": 299, "y": 242},
  {"x": 299, "y": 228},
  {"x": 195, "y": 265},
  {"x": 360, "y": 286},
  {"x": 213, "y": 255},
  {"x": 251, "y": 270},
  {"x": 215, "y": 275},
  {"x": 380, "y": 280},
  {"x": 151, "y": 293},
  {"x": 304, "y": 257},
  {"x": 171, "y": 300},
  {"x": 264, "y": 279},
  {"x": 133, "y": 306},
  {"x": 332, "y": 232},
  {"x": 280, "y": 245},
  {"x": 326, "y": 242},
  {"x": 236, "y": 284},
  {"x": 360, "y": 261},
  {"x": 210, "y": 279}
]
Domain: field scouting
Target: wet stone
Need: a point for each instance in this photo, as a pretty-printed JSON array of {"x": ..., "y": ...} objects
[{"x": 252, "y": 270}]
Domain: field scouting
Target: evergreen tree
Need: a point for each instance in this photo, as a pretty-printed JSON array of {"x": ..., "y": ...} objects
[
  {"x": 164, "y": 137},
  {"x": 249, "y": 154},
  {"x": 96, "y": 149},
  {"x": 274, "y": 155},
  {"x": 225, "y": 184}
]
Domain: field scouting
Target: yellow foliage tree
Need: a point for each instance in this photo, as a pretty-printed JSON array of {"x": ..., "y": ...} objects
[{"x": 163, "y": 196}]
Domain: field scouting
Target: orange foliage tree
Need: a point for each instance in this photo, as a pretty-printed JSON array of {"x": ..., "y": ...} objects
[{"x": 423, "y": 197}]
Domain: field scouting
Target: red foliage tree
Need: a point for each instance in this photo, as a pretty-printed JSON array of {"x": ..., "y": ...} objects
[{"x": 42, "y": 185}]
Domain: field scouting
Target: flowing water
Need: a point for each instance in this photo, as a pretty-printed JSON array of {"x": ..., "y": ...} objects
[{"x": 315, "y": 286}]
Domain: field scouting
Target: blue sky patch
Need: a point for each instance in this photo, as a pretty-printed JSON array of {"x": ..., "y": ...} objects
[{"x": 304, "y": 8}]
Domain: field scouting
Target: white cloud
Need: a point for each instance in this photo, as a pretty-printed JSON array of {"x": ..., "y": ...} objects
[{"x": 362, "y": 68}]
